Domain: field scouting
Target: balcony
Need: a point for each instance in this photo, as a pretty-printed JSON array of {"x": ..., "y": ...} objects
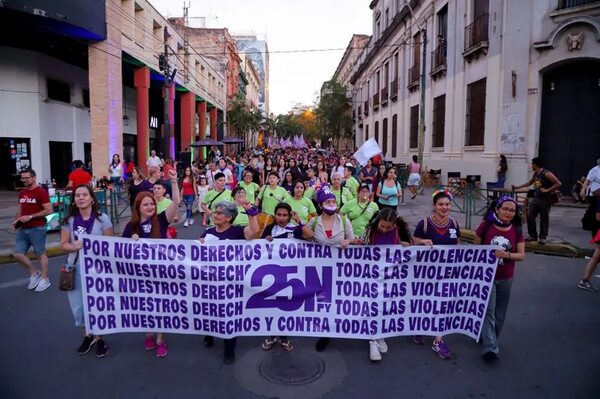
[
  {"x": 476, "y": 38},
  {"x": 394, "y": 93},
  {"x": 366, "y": 107},
  {"x": 413, "y": 77},
  {"x": 384, "y": 96},
  {"x": 574, "y": 3},
  {"x": 439, "y": 60},
  {"x": 376, "y": 102}
]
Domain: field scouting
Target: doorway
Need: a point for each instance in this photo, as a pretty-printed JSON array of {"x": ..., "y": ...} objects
[
  {"x": 61, "y": 159},
  {"x": 570, "y": 120}
]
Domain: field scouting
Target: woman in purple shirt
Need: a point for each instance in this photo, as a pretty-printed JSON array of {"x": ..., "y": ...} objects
[
  {"x": 438, "y": 229},
  {"x": 223, "y": 216},
  {"x": 146, "y": 223},
  {"x": 385, "y": 228}
]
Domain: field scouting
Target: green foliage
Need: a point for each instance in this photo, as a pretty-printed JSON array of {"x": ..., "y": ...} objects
[{"x": 333, "y": 111}]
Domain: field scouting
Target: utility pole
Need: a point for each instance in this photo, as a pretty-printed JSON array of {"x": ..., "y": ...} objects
[
  {"x": 168, "y": 75},
  {"x": 421, "y": 143},
  {"x": 421, "y": 130}
]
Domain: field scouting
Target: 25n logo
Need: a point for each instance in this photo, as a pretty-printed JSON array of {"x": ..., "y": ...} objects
[{"x": 313, "y": 289}]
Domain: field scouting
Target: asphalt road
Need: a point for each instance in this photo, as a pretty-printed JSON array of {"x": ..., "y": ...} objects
[{"x": 549, "y": 349}]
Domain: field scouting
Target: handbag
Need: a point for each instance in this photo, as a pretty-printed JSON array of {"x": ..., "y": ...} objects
[{"x": 66, "y": 278}]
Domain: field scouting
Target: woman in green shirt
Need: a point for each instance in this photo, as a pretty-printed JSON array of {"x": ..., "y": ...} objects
[
  {"x": 239, "y": 198},
  {"x": 360, "y": 210},
  {"x": 342, "y": 194},
  {"x": 268, "y": 198},
  {"x": 303, "y": 206},
  {"x": 249, "y": 186}
]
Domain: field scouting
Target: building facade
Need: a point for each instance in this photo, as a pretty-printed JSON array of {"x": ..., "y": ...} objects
[
  {"x": 253, "y": 79},
  {"x": 93, "y": 87},
  {"x": 258, "y": 51},
  {"x": 518, "y": 78}
]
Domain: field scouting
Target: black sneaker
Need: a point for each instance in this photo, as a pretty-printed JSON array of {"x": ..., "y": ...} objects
[
  {"x": 101, "y": 348},
  {"x": 490, "y": 357},
  {"x": 322, "y": 344},
  {"x": 208, "y": 341},
  {"x": 86, "y": 345}
]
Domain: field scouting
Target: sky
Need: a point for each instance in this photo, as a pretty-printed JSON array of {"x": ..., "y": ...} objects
[{"x": 289, "y": 25}]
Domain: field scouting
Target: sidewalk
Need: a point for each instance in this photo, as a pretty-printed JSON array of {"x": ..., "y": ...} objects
[{"x": 566, "y": 236}]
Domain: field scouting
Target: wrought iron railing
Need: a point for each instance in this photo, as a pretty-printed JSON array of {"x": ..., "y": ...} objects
[{"x": 477, "y": 32}]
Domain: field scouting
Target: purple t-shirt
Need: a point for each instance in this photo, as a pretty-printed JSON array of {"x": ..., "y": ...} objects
[
  {"x": 234, "y": 232},
  {"x": 146, "y": 227},
  {"x": 448, "y": 235},
  {"x": 507, "y": 240},
  {"x": 391, "y": 237}
]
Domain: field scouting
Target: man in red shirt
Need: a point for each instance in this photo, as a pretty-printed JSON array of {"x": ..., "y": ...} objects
[
  {"x": 31, "y": 224},
  {"x": 78, "y": 176}
]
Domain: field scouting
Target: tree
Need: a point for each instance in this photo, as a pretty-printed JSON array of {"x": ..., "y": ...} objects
[
  {"x": 333, "y": 112},
  {"x": 243, "y": 120}
]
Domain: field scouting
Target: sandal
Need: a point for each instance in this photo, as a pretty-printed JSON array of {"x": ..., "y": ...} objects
[
  {"x": 287, "y": 345},
  {"x": 268, "y": 343}
]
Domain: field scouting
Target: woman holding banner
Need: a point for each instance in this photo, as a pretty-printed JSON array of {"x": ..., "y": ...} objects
[
  {"x": 223, "y": 216},
  {"x": 304, "y": 207},
  {"x": 147, "y": 223},
  {"x": 438, "y": 229},
  {"x": 282, "y": 227},
  {"x": 501, "y": 227},
  {"x": 330, "y": 228},
  {"x": 83, "y": 217},
  {"x": 385, "y": 228}
]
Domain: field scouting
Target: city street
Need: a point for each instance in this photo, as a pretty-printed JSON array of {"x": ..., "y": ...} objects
[{"x": 548, "y": 350}]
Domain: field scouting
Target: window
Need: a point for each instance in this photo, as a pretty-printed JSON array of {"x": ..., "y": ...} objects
[
  {"x": 439, "y": 116},
  {"x": 366, "y": 132},
  {"x": 395, "y": 66},
  {"x": 385, "y": 136},
  {"x": 414, "y": 127},
  {"x": 475, "y": 126},
  {"x": 394, "y": 135},
  {"x": 574, "y": 3},
  {"x": 387, "y": 17},
  {"x": 377, "y": 132},
  {"x": 442, "y": 17},
  {"x": 58, "y": 91},
  {"x": 386, "y": 69},
  {"x": 86, "y": 98}
]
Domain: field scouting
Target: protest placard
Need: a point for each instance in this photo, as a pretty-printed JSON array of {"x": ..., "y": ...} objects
[{"x": 284, "y": 287}]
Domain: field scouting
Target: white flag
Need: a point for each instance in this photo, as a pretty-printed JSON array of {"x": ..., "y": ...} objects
[{"x": 368, "y": 150}]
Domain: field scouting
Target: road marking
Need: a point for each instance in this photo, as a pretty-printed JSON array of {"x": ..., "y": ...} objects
[{"x": 15, "y": 283}]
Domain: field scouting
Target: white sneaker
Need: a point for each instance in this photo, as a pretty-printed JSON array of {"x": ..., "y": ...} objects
[
  {"x": 42, "y": 285},
  {"x": 374, "y": 354},
  {"x": 191, "y": 222},
  {"x": 383, "y": 348},
  {"x": 34, "y": 280},
  {"x": 185, "y": 224}
]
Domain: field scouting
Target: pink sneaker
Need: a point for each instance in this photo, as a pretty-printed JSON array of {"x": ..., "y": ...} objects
[
  {"x": 161, "y": 349},
  {"x": 149, "y": 343}
]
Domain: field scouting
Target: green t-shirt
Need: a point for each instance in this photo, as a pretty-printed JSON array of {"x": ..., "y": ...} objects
[
  {"x": 303, "y": 207},
  {"x": 270, "y": 198},
  {"x": 352, "y": 185},
  {"x": 358, "y": 218},
  {"x": 342, "y": 196},
  {"x": 251, "y": 189},
  {"x": 212, "y": 194},
  {"x": 162, "y": 205},
  {"x": 309, "y": 193},
  {"x": 241, "y": 218}
]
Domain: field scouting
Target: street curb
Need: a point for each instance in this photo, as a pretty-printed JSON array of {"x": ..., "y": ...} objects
[
  {"x": 564, "y": 249},
  {"x": 51, "y": 252},
  {"x": 555, "y": 249}
]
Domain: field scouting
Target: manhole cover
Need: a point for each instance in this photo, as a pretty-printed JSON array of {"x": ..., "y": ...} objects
[{"x": 291, "y": 368}]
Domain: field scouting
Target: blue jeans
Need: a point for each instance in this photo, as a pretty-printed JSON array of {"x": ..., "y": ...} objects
[
  {"x": 189, "y": 202},
  {"x": 495, "y": 315},
  {"x": 31, "y": 237}
]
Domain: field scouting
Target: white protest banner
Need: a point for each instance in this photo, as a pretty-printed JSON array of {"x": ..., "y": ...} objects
[{"x": 284, "y": 287}]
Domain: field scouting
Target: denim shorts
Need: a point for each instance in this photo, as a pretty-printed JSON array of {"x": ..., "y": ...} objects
[{"x": 31, "y": 237}]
